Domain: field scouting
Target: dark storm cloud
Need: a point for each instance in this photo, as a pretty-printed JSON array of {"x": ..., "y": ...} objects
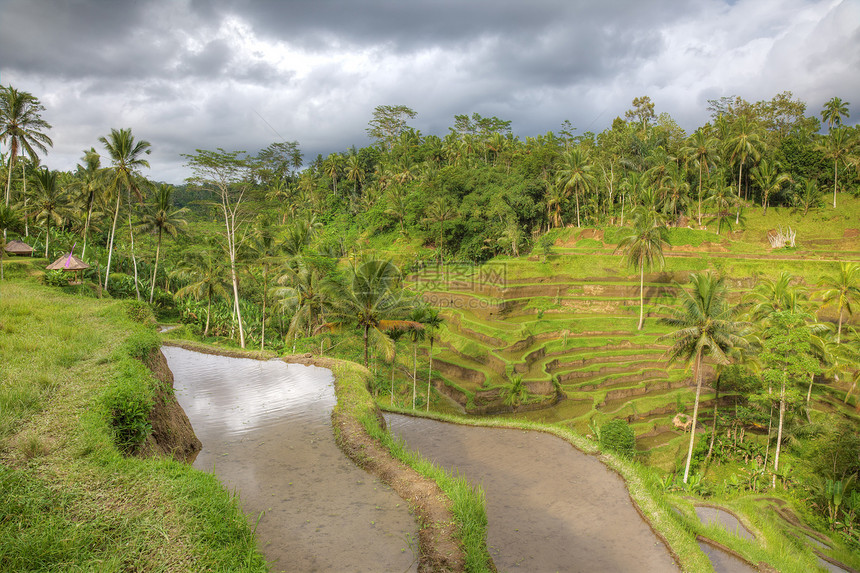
[{"x": 240, "y": 74}]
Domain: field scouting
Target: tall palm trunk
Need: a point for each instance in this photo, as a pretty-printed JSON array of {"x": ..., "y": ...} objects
[
  {"x": 429, "y": 376},
  {"x": 155, "y": 268},
  {"x": 779, "y": 431},
  {"x": 697, "y": 367},
  {"x": 208, "y": 312},
  {"x": 12, "y": 152},
  {"x": 265, "y": 297},
  {"x": 740, "y": 175},
  {"x": 393, "y": 369},
  {"x": 835, "y": 172},
  {"x": 641, "y": 295},
  {"x": 414, "y": 372},
  {"x": 112, "y": 236},
  {"x": 133, "y": 257},
  {"x": 87, "y": 227}
]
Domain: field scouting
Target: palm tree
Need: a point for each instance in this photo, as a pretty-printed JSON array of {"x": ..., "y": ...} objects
[
  {"x": 441, "y": 209},
  {"x": 705, "y": 327},
  {"x": 770, "y": 179},
  {"x": 50, "y": 201},
  {"x": 416, "y": 333},
  {"x": 160, "y": 218},
  {"x": 208, "y": 279},
  {"x": 331, "y": 167},
  {"x": 354, "y": 172},
  {"x": 833, "y": 112},
  {"x": 266, "y": 249},
  {"x": 306, "y": 294},
  {"x": 373, "y": 301},
  {"x": 576, "y": 174},
  {"x": 643, "y": 246},
  {"x": 842, "y": 289},
  {"x": 837, "y": 146},
  {"x": 126, "y": 159},
  {"x": 21, "y": 124},
  {"x": 701, "y": 149},
  {"x": 770, "y": 296},
  {"x": 744, "y": 145},
  {"x": 432, "y": 322},
  {"x": 89, "y": 184}
]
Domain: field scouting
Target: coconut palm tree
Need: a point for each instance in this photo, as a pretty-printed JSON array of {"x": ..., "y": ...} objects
[
  {"x": 837, "y": 146},
  {"x": 432, "y": 322},
  {"x": 770, "y": 179},
  {"x": 50, "y": 202},
  {"x": 373, "y": 301},
  {"x": 161, "y": 218},
  {"x": 89, "y": 185},
  {"x": 705, "y": 327},
  {"x": 746, "y": 144},
  {"x": 833, "y": 112},
  {"x": 207, "y": 278},
  {"x": 305, "y": 293},
  {"x": 439, "y": 210},
  {"x": 643, "y": 246},
  {"x": 842, "y": 289},
  {"x": 416, "y": 332},
  {"x": 22, "y": 126},
  {"x": 266, "y": 250},
  {"x": 126, "y": 160},
  {"x": 701, "y": 150},
  {"x": 576, "y": 174}
]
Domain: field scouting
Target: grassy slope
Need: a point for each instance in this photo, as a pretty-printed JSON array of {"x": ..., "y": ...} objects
[{"x": 69, "y": 500}]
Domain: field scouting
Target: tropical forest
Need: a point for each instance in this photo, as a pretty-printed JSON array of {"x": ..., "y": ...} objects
[{"x": 632, "y": 350}]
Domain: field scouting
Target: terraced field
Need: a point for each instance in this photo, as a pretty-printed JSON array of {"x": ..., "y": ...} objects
[{"x": 566, "y": 328}]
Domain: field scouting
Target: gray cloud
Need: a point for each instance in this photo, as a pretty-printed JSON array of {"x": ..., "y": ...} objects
[{"x": 188, "y": 74}]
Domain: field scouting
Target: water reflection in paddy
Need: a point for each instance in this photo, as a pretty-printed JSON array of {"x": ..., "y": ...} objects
[
  {"x": 549, "y": 506},
  {"x": 266, "y": 432}
]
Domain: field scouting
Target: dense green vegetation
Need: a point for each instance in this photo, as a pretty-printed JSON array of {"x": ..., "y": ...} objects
[{"x": 640, "y": 276}]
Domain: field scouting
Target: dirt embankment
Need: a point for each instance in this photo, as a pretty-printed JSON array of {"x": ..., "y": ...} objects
[
  {"x": 438, "y": 547},
  {"x": 172, "y": 434}
]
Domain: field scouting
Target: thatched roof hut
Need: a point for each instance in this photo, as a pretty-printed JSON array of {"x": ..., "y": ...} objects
[
  {"x": 68, "y": 262},
  {"x": 19, "y": 248}
]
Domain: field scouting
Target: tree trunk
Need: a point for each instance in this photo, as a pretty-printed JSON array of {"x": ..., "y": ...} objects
[
  {"x": 133, "y": 257},
  {"x": 779, "y": 431},
  {"x": 641, "y": 295},
  {"x": 430, "y": 376},
  {"x": 12, "y": 152},
  {"x": 155, "y": 269},
  {"x": 700, "y": 193},
  {"x": 414, "y": 372},
  {"x": 265, "y": 297},
  {"x": 365, "y": 345},
  {"x": 714, "y": 425},
  {"x": 208, "y": 311},
  {"x": 393, "y": 369},
  {"x": 112, "y": 236},
  {"x": 696, "y": 373},
  {"x": 740, "y": 174},
  {"x": 835, "y": 172}
]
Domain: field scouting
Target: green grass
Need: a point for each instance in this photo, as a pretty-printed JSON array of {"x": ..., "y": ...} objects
[{"x": 70, "y": 499}]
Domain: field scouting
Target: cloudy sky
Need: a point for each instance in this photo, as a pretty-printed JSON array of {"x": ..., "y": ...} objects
[{"x": 241, "y": 74}]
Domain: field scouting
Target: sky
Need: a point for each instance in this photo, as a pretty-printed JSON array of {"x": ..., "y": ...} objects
[{"x": 242, "y": 74}]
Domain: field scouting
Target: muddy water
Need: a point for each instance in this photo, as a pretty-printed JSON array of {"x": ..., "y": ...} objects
[
  {"x": 729, "y": 522},
  {"x": 723, "y": 562},
  {"x": 549, "y": 506},
  {"x": 266, "y": 433}
]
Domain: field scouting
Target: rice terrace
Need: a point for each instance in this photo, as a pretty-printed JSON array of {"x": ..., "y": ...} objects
[{"x": 632, "y": 350}]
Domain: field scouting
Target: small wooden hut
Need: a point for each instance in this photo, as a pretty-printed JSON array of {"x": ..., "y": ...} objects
[
  {"x": 19, "y": 248},
  {"x": 69, "y": 263}
]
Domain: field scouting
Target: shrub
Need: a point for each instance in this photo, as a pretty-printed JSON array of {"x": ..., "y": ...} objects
[
  {"x": 55, "y": 278},
  {"x": 616, "y": 436},
  {"x": 139, "y": 311},
  {"x": 128, "y": 402}
]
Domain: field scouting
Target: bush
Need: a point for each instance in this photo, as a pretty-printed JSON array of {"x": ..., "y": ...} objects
[
  {"x": 128, "y": 402},
  {"x": 139, "y": 311},
  {"x": 617, "y": 437},
  {"x": 55, "y": 278}
]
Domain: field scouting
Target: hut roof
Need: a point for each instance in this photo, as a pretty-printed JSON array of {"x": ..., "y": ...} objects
[
  {"x": 68, "y": 262},
  {"x": 18, "y": 248}
]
